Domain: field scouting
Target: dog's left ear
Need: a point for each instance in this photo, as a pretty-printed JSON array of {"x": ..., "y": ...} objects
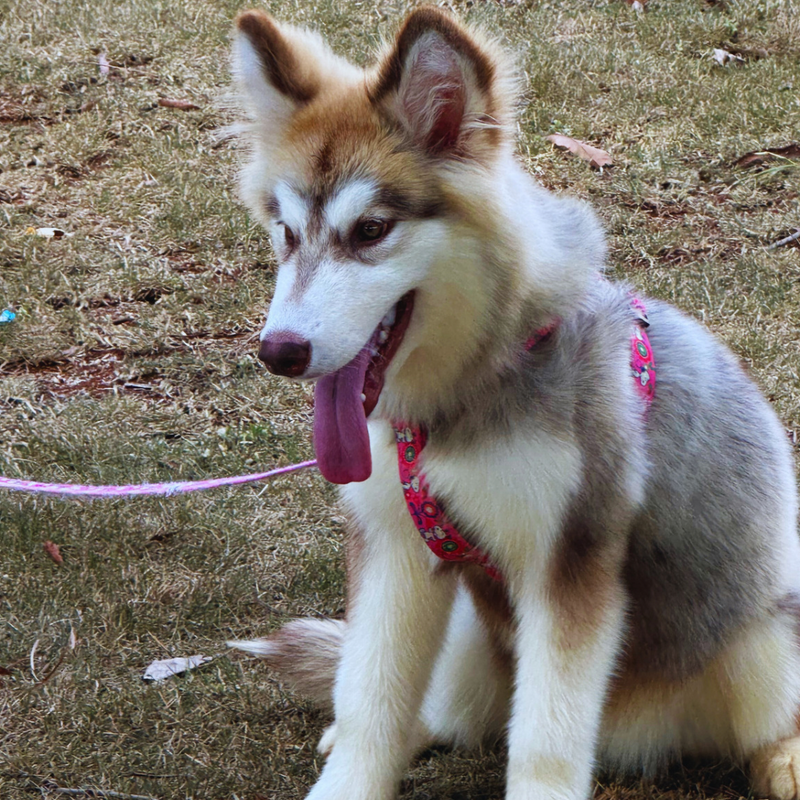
[{"x": 441, "y": 86}]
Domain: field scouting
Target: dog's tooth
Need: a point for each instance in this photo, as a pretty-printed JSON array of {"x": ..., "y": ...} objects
[
  {"x": 363, "y": 397},
  {"x": 388, "y": 320},
  {"x": 383, "y": 336}
]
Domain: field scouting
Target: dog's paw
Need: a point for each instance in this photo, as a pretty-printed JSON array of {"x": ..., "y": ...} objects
[
  {"x": 328, "y": 740},
  {"x": 775, "y": 770}
]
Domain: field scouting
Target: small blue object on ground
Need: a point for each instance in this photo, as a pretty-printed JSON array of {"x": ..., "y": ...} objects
[{"x": 7, "y": 316}]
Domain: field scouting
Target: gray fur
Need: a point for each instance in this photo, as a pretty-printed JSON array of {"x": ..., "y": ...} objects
[{"x": 714, "y": 463}]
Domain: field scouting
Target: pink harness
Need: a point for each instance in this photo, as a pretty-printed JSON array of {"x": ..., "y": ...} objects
[{"x": 438, "y": 532}]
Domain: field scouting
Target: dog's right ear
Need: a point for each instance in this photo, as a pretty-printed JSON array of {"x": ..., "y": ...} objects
[{"x": 274, "y": 65}]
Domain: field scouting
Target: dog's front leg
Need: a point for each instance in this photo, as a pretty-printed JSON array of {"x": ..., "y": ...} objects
[
  {"x": 398, "y": 611},
  {"x": 570, "y": 610}
]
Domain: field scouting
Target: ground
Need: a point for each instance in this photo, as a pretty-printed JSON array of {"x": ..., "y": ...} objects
[{"x": 132, "y": 355}]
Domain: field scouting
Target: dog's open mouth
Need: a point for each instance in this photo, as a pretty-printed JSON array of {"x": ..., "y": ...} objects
[{"x": 344, "y": 399}]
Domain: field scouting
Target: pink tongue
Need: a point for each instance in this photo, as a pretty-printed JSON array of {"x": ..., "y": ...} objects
[{"x": 341, "y": 440}]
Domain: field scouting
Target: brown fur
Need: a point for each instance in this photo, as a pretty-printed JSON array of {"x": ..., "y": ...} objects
[
  {"x": 583, "y": 581},
  {"x": 492, "y": 604},
  {"x": 307, "y": 656}
]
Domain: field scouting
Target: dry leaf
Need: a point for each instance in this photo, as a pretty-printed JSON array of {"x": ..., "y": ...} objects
[
  {"x": 166, "y": 668},
  {"x": 183, "y": 105},
  {"x": 52, "y": 550},
  {"x": 596, "y": 157},
  {"x": 47, "y": 233},
  {"x": 102, "y": 63},
  {"x": 767, "y": 154},
  {"x": 73, "y": 639},
  {"x": 723, "y": 57}
]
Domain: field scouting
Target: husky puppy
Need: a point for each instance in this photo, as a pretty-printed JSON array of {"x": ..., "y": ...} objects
[{"x": 648, "y": 556}]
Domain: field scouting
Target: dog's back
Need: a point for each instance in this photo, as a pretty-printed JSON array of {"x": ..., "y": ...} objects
[{"x": 715, "y": 545}]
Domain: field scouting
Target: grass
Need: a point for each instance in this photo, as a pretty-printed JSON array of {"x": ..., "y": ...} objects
[{"x": 132, "y": 356}]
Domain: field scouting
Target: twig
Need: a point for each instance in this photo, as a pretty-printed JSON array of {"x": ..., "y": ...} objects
[
  {"x": 788, "y": 240},
  {"x": 52, "y": 672},
  {"x": 88, "y": 791},
  {"x": 31, "y": 657}
]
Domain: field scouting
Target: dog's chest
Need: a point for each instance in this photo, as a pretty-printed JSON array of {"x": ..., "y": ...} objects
[{"x": 507, "y": 492}]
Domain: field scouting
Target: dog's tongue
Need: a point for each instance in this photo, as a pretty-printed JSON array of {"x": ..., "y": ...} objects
[{"x": 341, "y": 439}]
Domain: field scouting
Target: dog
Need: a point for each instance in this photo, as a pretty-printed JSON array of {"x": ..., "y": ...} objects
[{"x": 609, "y": 567}]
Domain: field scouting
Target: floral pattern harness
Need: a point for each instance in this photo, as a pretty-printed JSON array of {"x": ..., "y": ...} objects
[{"x": 436, "y": 529}]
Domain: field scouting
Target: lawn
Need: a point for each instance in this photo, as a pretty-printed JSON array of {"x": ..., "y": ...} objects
[{"x": 132, "y": 355}]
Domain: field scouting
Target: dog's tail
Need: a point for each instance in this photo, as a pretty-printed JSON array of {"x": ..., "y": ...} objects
[{"x": 305, "y": 653}]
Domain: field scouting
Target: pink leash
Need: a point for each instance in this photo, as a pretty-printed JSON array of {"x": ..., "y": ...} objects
[{"x": 168, "y": 489}]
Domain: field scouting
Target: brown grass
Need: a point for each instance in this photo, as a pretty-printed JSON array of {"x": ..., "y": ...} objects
[{"x": 132, "y": 356}]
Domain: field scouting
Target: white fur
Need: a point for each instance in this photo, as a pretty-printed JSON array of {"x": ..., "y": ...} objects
[
  {"x": 325, "y": 313},
  {"x": 350, "y": 202},
  {"x": 558, "y": 701},
  {"x": 294, "y": 209},
  {"x": 380, "y": 686},
  {"x": 468, "y": 696},
  {"x": 270, "y": 106},
  {"x": 558, "y": 697},
  {"x": 745, "y": 699},
  {"x": 269, "y": 110},
  {"x": 377, "y": 698}
]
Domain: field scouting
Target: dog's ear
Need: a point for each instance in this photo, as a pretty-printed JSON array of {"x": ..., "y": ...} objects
[
  {"x": 441, "y": 85},
  {"x": 274, "y": 65}
]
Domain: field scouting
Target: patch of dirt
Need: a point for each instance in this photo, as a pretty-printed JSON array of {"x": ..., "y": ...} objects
[
  {"x": 23, "y": 107},
  {"x": 758, "y": 157},
  {"x": 147, "y": 294},
  {"x": 16, "y": 197},
  {"x": 95, "y": 373},
  {"x": 94, "y": 162},
  {"x": 98, "y": 372}
]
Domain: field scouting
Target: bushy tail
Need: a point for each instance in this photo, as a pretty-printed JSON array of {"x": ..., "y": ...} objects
[{"x": 305, "y": 653}]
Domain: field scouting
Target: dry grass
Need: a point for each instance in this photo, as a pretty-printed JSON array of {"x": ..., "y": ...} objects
[{"x": 132, "y": 355}]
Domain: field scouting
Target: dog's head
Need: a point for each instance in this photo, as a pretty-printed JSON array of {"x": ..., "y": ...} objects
[{"x": 353, "y": 174}]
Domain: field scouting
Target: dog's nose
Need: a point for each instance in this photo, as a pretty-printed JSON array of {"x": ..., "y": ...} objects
[{"x": 285, "y": 354}]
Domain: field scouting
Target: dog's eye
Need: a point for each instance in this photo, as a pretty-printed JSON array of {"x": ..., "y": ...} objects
[
  {"x": 288, "y": 235},
  {"x": 371, "y": 230}
]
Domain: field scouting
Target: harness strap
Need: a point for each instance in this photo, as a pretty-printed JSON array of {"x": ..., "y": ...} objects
[{"x": 437, "y": 531}]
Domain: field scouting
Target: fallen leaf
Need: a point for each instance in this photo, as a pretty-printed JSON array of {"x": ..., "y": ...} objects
[
  {"x": 768, "y": 154},
  {"x": 166, "y": 668},
  {"x": 102, "y": 63},
  {"x": 723, "y": 57},
  {"x": 52, "y": 550},
  {"x": 73, "y": 639},
  {"x": 48, "y": 233},
  {"x": 183, "y": 105},
  {"x": 596, "y": 157}
]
